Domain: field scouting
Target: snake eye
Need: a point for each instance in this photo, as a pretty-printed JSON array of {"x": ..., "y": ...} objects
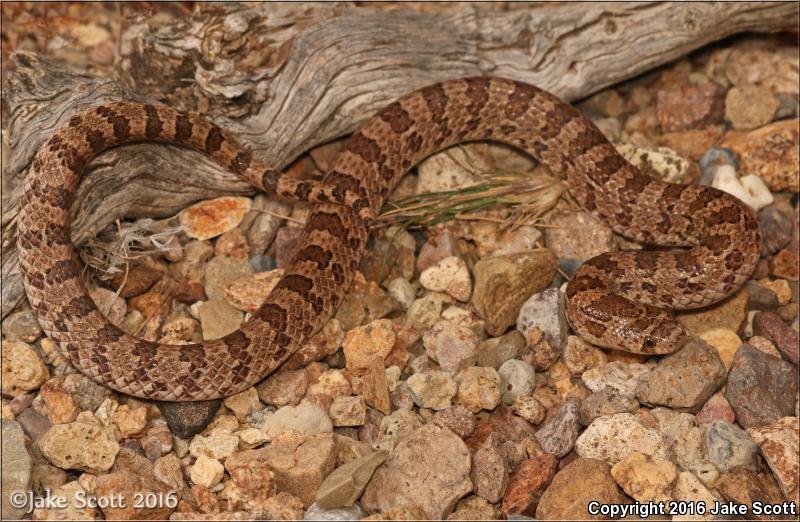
[{"x": 649, "y": 342}]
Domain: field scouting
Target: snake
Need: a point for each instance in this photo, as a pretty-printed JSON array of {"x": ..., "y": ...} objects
[{"x": 706, "y": 243}]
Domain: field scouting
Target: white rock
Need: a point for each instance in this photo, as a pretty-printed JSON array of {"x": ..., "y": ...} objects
[
  {"x": 449, "y": 275},
  {"x": 306, "y": 418},
  {"x": 517, "y": 379},
  {"x": 759, "y": 194},
  {"x": 402, "y": 291},
  {"x": 613, "y": 437}
]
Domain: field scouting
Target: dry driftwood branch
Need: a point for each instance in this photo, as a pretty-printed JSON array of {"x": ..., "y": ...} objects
[{"x": 287, "y": 77}]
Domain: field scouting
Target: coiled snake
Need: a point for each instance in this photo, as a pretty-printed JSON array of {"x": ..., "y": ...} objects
[{"x": 621, "y": 300}]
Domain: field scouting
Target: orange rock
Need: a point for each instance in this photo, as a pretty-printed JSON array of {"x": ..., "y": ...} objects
[
  {"x": 527, "y": 485},
  {"x": 770, "y": 152},
  {"x": 212, "y": 217}
]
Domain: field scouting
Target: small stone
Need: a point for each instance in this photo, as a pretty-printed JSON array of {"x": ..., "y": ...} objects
[
  {"x": 750, "y": 189},
  {"x": 529, "y": 409},
  {"x": 61, "y": 406},
  {"x": 489, "y": 471},
  {"x": 761, "y": 297},
  {"x": 785, "y": 339},
  {"x": 441, "y": 244},
  {"x": 761, "y": 389},
  {"x": 521, "y": 240},
  {"x": 430, "y": 468},
  {"x": 693, "y": 143},
  {"x": 232, "y": 243},
  {"x": 686, "y": 379},
  {"x": 249, "y": 291},
  {"x": 22, "y": 326},
  {"x": 218, "y": 319},
  {"x": 580, "y": 356},
  {"x": 763, "y": 344},
  {"x": 185, "y": 419},
  {"x": 544, "y": 311},
  {"x": 217, "y": 445},
  {"x": 22, "y": 368},
  {"x": 725, "y": 341},
  {"x": 613, "y": 437},
  {"x": 495, "y": 351},
  {"x": 396, "y": 427},
  {"x": 348, "y": 411},
  {"x": 743, "y": 486},
  {"x": 16, "y": 468},
  {"x": 131, "y": 486},
  {"x": 66, "y": 495},
  {"x": 347, "y": 482},
  {"x": 365, "y": 344},
  {"x": 688, "y": 488},
  {"x": 644, "y": 478},
  {"x": 558, "y": 433},
  {"x": 780, "y": 443},
  {"x": 604, "y": 402},
  {"x": 450, "y": 275},
  {"x": 730, "y": 313},
  {"x": 402, "y": 291},
  {"x": 478, "y": 388},
  {"x": 750, "y": 107},
  {"x": 785, "y": 264},
  {"x": 301, "y": 463},
  {"x": 207, "y": 472},
  {"x": 770, "y": 152},
  {"x": 354, "y": 512},
  {"x": 178, "y": 329},
  {"x": 682, "y": 105},
  {"x": 474, "y": 507},
  {"x": 717, "y": 408},
  {"x": 332, "y": 383},
  {"x": 83, "y": 444},
  {"x": 306, "y": 418},
  {"x": 453, "y": 346},
  {"x": 729, "y": 446},
  {"x": 221, "y": 272},
  {"x": 579, "y": 236},
  {"x": 251, "y": 438},
  {"x": 376, "y": 388},
  {"x": 618, "y": 376},
  {"x": 157, "y": 442},
  {"x": 517, "y": 379},
  {"x": 243, "y": 403},
  {"x": 131, "y": 421},
  {"x": 189, "y": 292},
  {"x": 781, "y": 289},
  {"x": 458, "y": 419},
  {"x": 504, "y": 283},
  {"x": 776, "y": 229},
  {"x": 432, "y": 389},
  {"x": 212, "y": 217},
  {"x": 572, "y": 489}
]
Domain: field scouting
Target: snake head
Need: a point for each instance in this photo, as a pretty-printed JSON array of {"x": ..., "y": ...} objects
[{"x": 660, "y": 334}]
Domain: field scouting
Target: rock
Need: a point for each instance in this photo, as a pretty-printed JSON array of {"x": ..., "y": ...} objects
[
  {"x": 189, "y": 292},
  {"x": 442, "y": 172},
  {"x": 682, "y": 106},
  {"x": 375, "y": 388},
  {"x": 365, "y": 344},
  {"x": 613, "y": 437},
  {"x": 574, "y": 487},
  {"x": 131, "y": 422},
  {"x": 517, "y": 379},
  {"x": 784, "y": 264},
  {"x": 68, "y": 495},
  {"x": 606, "y": 401},
  {"x": 207, "y": 472},
  {"x": 22, "y": 326},
  {"x": 402, "y": 291},
  {"x": 347, "y": 482},
  {"x": 61, "y": 407},
  {"x": 458, "y": 419},
  {"x": 84, "y": 444},
  {"x": 644, "y": 478},
  {"x": 558, "y": 433},
  {"x": 348, "y": 411},
  {"x": 688, "y": 488},
  {"x": 232, "y": 243},
  {"x": 243, "y": 403},
  {"x": 750, "y": 189},
  {"x": 218, "y": 319},
  {"x": 770, "y": 152},
  {"x": 529, "y": 409},
  {"x": 758, "y": 194},
  {"x": 221, "y": 272},
  {"x": 686, "y": 379},
  {"x": 730, "y": 314},
  {"x": 504, "y": 283},
  {"x": 750, "y": 107},
  {"x": 724, "y": 341},
  {"x": 412, "y": 512},
  {"x": 717, "y": 408},
  {"x": 441, "y": 244},
  {"x": 450, "y": 275},
  {"x": 474, "y": 507},
  {"x": 686, "y": 439},
  {"x": 545, "y": 311},
  {"x": 661, "y": 162},
  {"x": 712, "y": 159},
  {"x": 776, "y": 71},
  {"x": 306, "y": 418},
  {"x": 177, "y": 330},
  {"x": 248, "y": 292},
  {"x": 781, "y": 289},
  {"x": 430, "y": 468},
  {"x": 395, "y": 428},
  {"x": 251, "y": 474},
  {"x": 728, "y": 446},
  {"x": 314, "y": 512},
  {"x": 331, "y": 383},
  {"x": 111, "y": 305},
  {"x": 529, "y": 482},
  {"x": 287, "y": 242},
  {"x": 16, "y": 468},
  {"x": 743, "y": 486},
  {"x": 761, "y": 389},
  {"x": 478, "y": 388},
  {"x": 283, "y": 388},
  {"x": 489, "y": 471},
  {"x": 521, "y": 240},
  {"x": 785, "y": 339},
  {"x": 157, "y": 442},
  {"x": 263, "y": 221},
  {"x": 763, "y": 344},
  {"x": 694, "y": 143},
  {"x": 580, "y": 356},
  {"x": 780, "y": 443},
  {"x": 212, "y": 217},
  {"x": 33, "y": 424},
  {"x": 495, "y": 351},
  {"x": 217, "y": 445},
  {"x": 761, "y": 297},
  {"x": 185, "y": 419},
  {"x": 453, "y": 346},
  {"x": 776, "y": 229},
  {"x": 578, "y": 236},
  {"x": 618, "y": 376},
  {"x": 131, "y": 486},
  {"x": 136, "y": 280},
  {"x": 432, "y": 389},
  {"x": 22, "y": 368}
]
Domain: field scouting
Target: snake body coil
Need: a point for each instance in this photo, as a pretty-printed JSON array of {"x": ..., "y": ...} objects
[{"x": 621, "y": 300}]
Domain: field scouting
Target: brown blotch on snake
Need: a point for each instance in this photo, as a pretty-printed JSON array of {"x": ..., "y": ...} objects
[{"x": 621, "y": 300}]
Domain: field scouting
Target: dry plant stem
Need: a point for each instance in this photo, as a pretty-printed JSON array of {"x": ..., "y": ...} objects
[{"x": 320, "y": 71}]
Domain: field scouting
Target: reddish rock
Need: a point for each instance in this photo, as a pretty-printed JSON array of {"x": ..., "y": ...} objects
[
  {"x": 717, "y": 408},
  {"x": 189, "y": 292},
  {"x": 770, "y": 152},
  {"x": 683, "y": 106},
  {"x": 528, "y": 484},
  {"x": 138, "y": 279},
  {"x": 771, "y": 326},
  {"x": 287, "y": 241},
  {"x": 458, "y": 418}
]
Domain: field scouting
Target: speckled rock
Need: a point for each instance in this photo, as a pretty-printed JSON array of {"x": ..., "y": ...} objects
[
  {"x": 128, "y": 485},
  {"x": 212, "y": 217},
  {"x": 517, "y": 379},
  {"x": 743, "y": 486},
  {"x": 761, "y": 389},
  {"x": 347, "y": 482},
  {"x": 84, "y": 444},
  {"x": 580, "y": 356},
  {"x": 504, "y": 283},
  {"x": 558, "y": 433},
  {"x": 16, "y": 468},
  {"x": 750, "y": 107},
  {"x": 661, "y": 162},
  {"x": 432, "y": 389},
  {"x": 453, "y": 346},
  {"x": 249, "y": 291},
  {"x": 613, "y": 437},
  {"x": 458, "y": 419},
  {"x": 348, "y": 411},
  {"x": 283, "y": 388},
  {"x": 527, "y": 484},
  {"x": 473, "y": 507},
  {"x": 578, "y": 236},
  {"x": 364, "y": 344},
  {"x": 619, "y": 376},
  {"x": 785, "y": 339},
  {"x": 770, "y": 152},
  {"x": 686, "y": 438},
  {"x": 430, "y": 468},
  {"x": 301, "y": 463},
  {"x": 780, "y": 444},
  {"x": 306, "y": 418},
  {"x": 729, "y": 446},
  {"x": 72, "y": 508},
  {"x": 131, "y": 421},
  {"x": 724, "y": 341},
  {"x": 449, "y": 275},
  {"x": 605, "y": 402},
  {"x": 730, "y": 314},
  {"x": 529, "y": 409},
  {"x": 489, "y": 471},
  {"x": 686, "y": 379},
  {"x": 314, "y": 512},
  {"x": 645, "y": 478},
  {"x": 545, "y": 311},
  {"x": 218, "y": 318},
  {"x": 396, "y": 427},
  {"x": 776, "y": 229},
  {"x": 717, "y": 408},
  {"x": 478, "y": 388},
  {"x": 217, "y": 445},
  {"x": 206, "y": 471},
  {"x": 688, "y": 488},
  {"x": 21, "y": 326},
  {"x": 22, "y": 368},
  {"x": 682, "y": 105},
  {"x": 578, "y": 483}
]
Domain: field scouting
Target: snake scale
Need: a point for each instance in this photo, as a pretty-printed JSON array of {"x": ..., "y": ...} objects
[{"x": 621, "y": 300}]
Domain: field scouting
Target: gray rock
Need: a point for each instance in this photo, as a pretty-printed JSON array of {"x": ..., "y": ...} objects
[
  {"x": 785, "y": 339},
  {"x": 558, "y": 433},
  {"x": 489, "y": 471},
  {"x": 218, "y": 318},
  {"x": 714, "y": 157},
  {"x": 729, "y": 446},
  {"x": 605, "y": 402},
  {"x": 761, "y": 297},
  {"x": 544, "y": 310},
  {"x": 518, "y": 379},
  {"x": 223, "y": 270},
  {"x": 87, "y": 393},
  {"x": 16, "y": 468},
  {"x": 22, "y": 326},
  {"x": 314, "y": 512},
  {"x": 186, "y": 419},
  {"x": 776, "y": 230},
  {"x": 33, "y": 424},
  {"x": 343, "y": 487},
  {"x": 686, "y": 379},
  {"x": 497, "y": 350}
]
